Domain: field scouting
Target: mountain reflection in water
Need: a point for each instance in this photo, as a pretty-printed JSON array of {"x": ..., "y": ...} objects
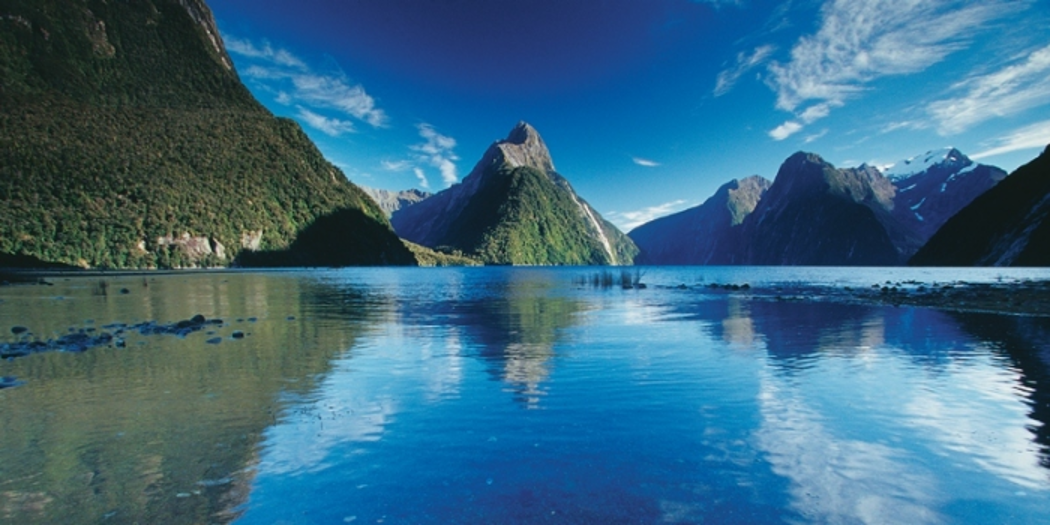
[{"x": 519, "y": 396}]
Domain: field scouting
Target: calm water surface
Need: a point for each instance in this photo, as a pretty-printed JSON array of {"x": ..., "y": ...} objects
[{"x": 510, "y": 395}]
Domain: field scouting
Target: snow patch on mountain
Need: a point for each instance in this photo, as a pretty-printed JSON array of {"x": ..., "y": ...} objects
[{"x": 902, "y": 170}]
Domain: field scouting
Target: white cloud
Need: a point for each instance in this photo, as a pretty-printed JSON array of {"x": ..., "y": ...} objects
[
  {"x": 815, "y": 136},
  {"x": 396, "y": 166},
  {"x": 862, "y": 40},
  {"x": 645, "y": 162},
  {"x": 330, "y": 126},
  {"x": 628, "y": 221},
  {"x": 727, "y": 78},
  {"x": 437, "y": 151},
  {"x": 423, "y": 183},
  {"x": 294, "y": 82},
  {"x": 785, "y": 130},
  {"x": 816, "y": 111},
  {"x": 263, "y": 51},
  {"x": 893, "y": 126},
  {"x": 1033, "y": 136},
  {"x": 337, "y": 93},
  {"x": 1011, "y": 90}
]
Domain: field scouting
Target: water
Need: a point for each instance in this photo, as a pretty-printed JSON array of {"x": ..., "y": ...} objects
[{"x": 514, "y": 395}]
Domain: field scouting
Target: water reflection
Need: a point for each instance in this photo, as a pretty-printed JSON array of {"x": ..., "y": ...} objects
[
  {"x": 167, "y": 429},
  {"x": 923, "y": 378},
  {"x": 382, "y": 395},
  {"x": 836, "y": 479},
  {"x": 513, "y": 324},
  {"x": 1022, "y": 343}
]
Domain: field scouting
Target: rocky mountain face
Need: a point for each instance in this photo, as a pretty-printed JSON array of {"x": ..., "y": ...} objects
[
  {"x": 933, "y": 187},
  {"x": 709, "y": 234},
  {"x": 514, "y": 208},
  {"x": 390, "y": 202},
  {"x": 1005, "y": 226},
  {"x": 815, "y": 214},
  {"x": 128, "y": 141}
]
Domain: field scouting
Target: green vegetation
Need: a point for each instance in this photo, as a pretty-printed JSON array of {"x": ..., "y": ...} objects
[
  {"x": 432, "y": 258},
  {"x": 122, "y": 126},
  {"x": 520, "y": 216}
]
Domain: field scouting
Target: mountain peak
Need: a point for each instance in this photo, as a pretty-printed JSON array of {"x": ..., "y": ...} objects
[
  {"x": 522, "y": 147},
  {"x": 523, "y": 132},
  {"x": 906, "y": 168}
]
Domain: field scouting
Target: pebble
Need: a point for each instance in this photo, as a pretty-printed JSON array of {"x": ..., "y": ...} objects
[{"x": 18, "y": 329}]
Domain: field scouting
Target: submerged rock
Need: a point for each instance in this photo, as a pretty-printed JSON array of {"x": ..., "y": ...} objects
[
  {"x": 9, "y": 381},
  {"x": 80, "y": 340}
]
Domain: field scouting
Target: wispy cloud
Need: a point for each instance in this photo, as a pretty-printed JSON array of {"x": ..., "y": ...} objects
[
  {"x": 645, "y": 162},
  {"x": 862, "y": 40},
  {"x": 744, "y": 62},
  {"x": 785, "y": 130},
  {"x": 630, "y": 220},
  {"x": 423, "y": 183},
  {"x": 330, "y": 126},
  {"x": 263, "y": 51},
  {"x": 1015, "y": 88},
  {"x": 396, "y": 166},
  {"x": 815, "y": 136},
  {"x": 296, "y": 83},
  {"x": 436, "y": 150},
  {"x": 1033, "y": 136}
]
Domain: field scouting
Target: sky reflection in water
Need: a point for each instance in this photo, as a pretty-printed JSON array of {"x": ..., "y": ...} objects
[{"x": 511, "y": 395}]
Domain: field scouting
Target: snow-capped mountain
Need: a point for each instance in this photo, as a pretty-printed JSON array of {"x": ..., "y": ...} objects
[
  {"x": 934, "y": 186},
  {"x": 1006, "y": 226},
  {"x": 947, "y": 156}
]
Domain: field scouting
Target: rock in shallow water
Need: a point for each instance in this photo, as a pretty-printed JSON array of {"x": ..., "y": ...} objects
[{"x": 9, "y": 381}]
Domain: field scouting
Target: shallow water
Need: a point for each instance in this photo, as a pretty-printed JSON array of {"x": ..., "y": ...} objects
[{"x": 511, "y": 395}]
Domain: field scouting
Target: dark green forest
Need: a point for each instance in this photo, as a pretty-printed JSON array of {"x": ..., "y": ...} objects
[
  {"x": 528, "y": 221},
  {"x": 123, "y": 127}
]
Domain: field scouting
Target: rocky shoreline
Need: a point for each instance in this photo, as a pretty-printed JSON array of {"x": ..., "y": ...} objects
[{"x": 1017, "y": 297}]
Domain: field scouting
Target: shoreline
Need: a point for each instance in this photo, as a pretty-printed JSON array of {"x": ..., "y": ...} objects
[
  {"x": 1015, "y": 298},
  {"x": 1018, "y": 297}
]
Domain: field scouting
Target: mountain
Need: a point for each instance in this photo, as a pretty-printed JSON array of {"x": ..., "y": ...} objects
[
  {"x": 1005, "y": 226},
  {"x": 514, "y": 208},
  {"x": 127, "y": 140},
  {"x": 390, "y": 202},
  {"x": 709, "y": 234},
  {"x": 816, "y": 214},
  {"x": 933, "y": 187}
]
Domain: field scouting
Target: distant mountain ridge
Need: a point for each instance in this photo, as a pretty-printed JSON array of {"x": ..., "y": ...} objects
[
  {"x": 1009, "y": 225},
  {"x": 128, "y": 141},
  {"x": 390, "y": 201},
  {"x": 930, "y": 193},
  {"x": 708, "y": 234},
  {"x": 816, "y": 214},
  {"x": 514, "y": 208}
]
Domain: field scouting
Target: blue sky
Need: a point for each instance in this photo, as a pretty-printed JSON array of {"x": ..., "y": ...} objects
[{"x": 647, "y": 106}]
